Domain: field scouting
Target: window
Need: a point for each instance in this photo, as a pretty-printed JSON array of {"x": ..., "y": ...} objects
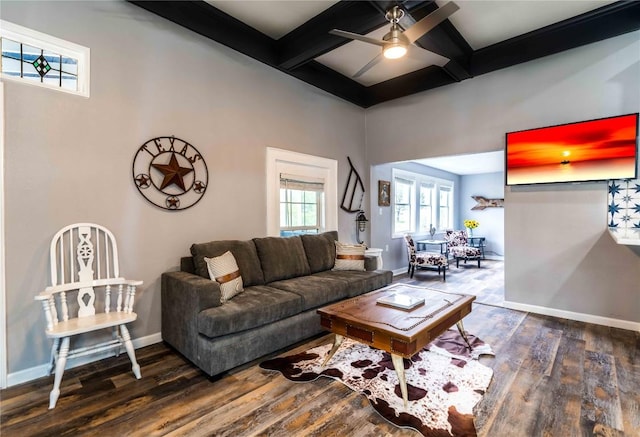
[
  {"x": 301, "y": 205},
  {"x": 302, "y": 193},
  {"x": 426, "y": 206},
  {"x": 403, "y": 205},
  {"x": 36, "y": 58},
  {"x": 421, "y": 201},
  {"x": 445, "y": 220}
]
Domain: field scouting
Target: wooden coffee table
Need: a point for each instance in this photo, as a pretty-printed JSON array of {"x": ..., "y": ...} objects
[{"x": 401, "y": 332}]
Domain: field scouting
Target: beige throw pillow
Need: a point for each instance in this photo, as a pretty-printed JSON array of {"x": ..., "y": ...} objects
[
  {"x": 349, "y": 256},
  {"x": 224, "y": 270}
]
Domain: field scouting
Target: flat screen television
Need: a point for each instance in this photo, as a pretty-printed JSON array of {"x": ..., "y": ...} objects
[{"x": 592, "y": 150}]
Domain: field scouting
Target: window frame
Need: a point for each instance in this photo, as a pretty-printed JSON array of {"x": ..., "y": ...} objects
[
  {"x": 24, "y": 35},
  {"x": 319, "y": 203},
  {"x": 412, "y": 205},
  {"x": 284, "y": 161},
  {"x": 418, "y": 180}
]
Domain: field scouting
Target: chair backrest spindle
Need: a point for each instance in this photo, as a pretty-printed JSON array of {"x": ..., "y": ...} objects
[{"x": 91, "y": 255}]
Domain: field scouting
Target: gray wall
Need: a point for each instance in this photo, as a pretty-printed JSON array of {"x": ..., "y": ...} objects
[
  {"x": 68, "y": 159},
  {"x": 489, "y": 186},
  {"x": 558, "y": 253}
]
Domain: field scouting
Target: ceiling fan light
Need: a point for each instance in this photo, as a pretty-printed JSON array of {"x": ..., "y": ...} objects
[{"x": 394, "y": 51}]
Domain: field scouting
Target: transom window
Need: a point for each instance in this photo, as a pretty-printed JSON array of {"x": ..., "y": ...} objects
[
  {"x": 420, "y": 202},
  {"x": 36, "y": 58}
]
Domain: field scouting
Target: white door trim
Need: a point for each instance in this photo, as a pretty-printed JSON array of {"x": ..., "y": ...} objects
[{"x": 3, "y": 312}]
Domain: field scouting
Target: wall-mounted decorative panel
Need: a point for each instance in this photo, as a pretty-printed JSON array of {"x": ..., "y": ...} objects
[{"x": 623, "y": 210}]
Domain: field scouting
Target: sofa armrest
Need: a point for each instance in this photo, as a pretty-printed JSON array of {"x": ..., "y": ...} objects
[
  {"x": 184, "y": 295},
  {"x": 370, "y": 263}
]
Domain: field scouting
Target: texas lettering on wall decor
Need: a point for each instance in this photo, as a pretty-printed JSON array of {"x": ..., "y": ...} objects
[{"x": 170, "y": 173}]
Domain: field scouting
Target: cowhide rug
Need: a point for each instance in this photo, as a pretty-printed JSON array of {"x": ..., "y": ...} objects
[{"x": 444, "y": 381}]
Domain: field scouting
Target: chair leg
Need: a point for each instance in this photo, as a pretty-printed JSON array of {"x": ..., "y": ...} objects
[
  {"x": 478, "y": 262},
  {"x": 457, "y": 263},
  {"x": 61, "y": 361},
  {"x": 54, "y": 352},
  {"x": 444, "y": 274},
  {"x": 130, "y": 351}
]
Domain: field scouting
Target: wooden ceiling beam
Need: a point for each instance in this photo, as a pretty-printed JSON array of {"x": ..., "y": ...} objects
[
  {"x": 294, "y": 53},
  {"x": 312, "y": 39}
]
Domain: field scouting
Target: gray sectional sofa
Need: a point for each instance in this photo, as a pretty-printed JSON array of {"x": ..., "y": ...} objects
[{"x": 285, "y": 279}]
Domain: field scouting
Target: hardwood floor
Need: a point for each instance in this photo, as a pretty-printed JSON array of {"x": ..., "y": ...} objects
[
  {"x": 552, "y": 377},
  {"x": 486, "y": 282}
]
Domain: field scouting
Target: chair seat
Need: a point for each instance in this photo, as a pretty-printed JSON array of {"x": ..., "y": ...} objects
[
  {"x": 90, "y": 323},
  {"x": 465, "y": 251},
  {"x": 431, "y": 259}
]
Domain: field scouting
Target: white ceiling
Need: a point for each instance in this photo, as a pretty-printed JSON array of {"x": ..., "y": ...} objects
[
  {"x": 477, "y": 163},
  {"x": 486, "y": 22},
  {"x": 273, "y": 18},
  {"x": 480, "y": 22}
]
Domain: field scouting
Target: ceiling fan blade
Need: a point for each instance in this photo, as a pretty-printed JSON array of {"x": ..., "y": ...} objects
[
  {"x": 416, "y": 52},
  {"x": 370, "y": 64},
  {"x": 358, "y": 37},
  {"x": 430, "y": 21}
]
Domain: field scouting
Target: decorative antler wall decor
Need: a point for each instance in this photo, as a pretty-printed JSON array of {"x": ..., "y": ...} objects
[
  {"x": 487, "y": 203},
  {"x": 353, "y": 181}
]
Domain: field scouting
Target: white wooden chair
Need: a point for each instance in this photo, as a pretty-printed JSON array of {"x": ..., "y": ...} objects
[{"x": 84, "y": 259}]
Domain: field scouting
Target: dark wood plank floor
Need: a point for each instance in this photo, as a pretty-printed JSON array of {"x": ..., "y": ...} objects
[{"x": 553, "y": 377}]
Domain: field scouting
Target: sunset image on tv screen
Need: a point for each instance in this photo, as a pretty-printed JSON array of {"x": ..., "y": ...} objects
[{"x": 586, "y": 151}]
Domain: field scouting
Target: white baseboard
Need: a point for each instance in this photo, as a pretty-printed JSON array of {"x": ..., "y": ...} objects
[
  {"x": 580, "y": 317},
  {"x": 36, "y": 372}
]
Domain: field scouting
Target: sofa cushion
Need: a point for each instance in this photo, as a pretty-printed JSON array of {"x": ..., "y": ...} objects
[
  {"x": 224, "y": 270},
  {"x": 256, "y": 306},
  {"x": 349, "y": 256},
  {"x": 281, "y": 258},
  {"x": 243, "y": 251},
  {"x": 316, "y": 291},
  {"x": 320, "y": 250},
  {"x": 358, "y": 283}
]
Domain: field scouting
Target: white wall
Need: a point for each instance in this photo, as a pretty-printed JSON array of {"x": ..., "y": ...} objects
[
  {"x": 558, "y": 253},
  {"x": 68, "y": 159},
  {"x": 489, "y": 186}
]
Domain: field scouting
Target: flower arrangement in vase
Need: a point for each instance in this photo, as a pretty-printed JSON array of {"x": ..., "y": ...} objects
[{"x": 471, "y": 225}]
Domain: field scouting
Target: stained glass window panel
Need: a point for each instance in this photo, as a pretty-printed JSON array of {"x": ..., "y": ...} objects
[
  {"x": 69, "y": 82},
  {"x": 29, "y": 72},
  {"x": 10, "y": 57},
  {"x": 53, "y": 59},
  {"x": 36, "y": 61},
  {"x": 70, "y": 65},
  {"x": 11, "y": 66}
]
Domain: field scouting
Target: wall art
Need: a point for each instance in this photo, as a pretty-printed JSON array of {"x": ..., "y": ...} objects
[
  {"x": 170, "y": 173},
  {"x": 483, "y": 202},
  {"x": 384, "y": 193},
  {"x": 354, "y": 187}
]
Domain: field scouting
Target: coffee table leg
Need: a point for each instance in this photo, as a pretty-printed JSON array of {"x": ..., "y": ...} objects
[
  {"x": 337, "y": 341},
  {"x": 398, "y": 364},
  {"x": 463, "y": 334}
]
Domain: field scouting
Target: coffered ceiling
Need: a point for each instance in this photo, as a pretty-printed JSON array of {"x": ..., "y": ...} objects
[{"x": 482, "y": 36}]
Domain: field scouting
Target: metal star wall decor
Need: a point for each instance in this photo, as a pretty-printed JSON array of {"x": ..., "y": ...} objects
[{"x": 170, "y": 173}]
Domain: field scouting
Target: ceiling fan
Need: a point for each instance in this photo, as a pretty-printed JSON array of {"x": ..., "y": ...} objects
[{"x": 397, "y": 43}]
